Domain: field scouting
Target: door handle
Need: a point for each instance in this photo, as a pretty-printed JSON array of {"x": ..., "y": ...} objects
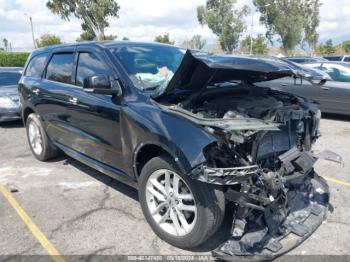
[
  {"x": 324, "y": 88},
  {"x": 36, "y": 91},
  {"x": 73, "y": 100},
  {"x": 284, "y": 85}
]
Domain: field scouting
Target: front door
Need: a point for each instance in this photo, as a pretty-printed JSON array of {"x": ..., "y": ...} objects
[
  {"x": 335, "y": 94},
  {"x": 95, "y": 117}
]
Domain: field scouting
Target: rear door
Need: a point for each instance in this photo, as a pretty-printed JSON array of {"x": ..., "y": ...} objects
[
  {"x": 55, "y": 95},
  {"x": 95, "y": 117}
]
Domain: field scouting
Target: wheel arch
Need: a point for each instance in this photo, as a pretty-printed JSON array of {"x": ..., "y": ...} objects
[
  {"x": 146, "y": 151},
  {"x": 25, "y": 113}
]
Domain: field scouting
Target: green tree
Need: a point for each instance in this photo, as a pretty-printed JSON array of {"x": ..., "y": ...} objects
[
  {"x": 290, "y": 20},
  {"x": 13, "y": 58},
  {"x": 48, "y": 39},
  {"x": 196, "y": 42},
  {"x": 89, "y": 35},
  {"x": 346, "y": 46},
  {"x": 224, "y": 20},
  {"x": 327, "y": 48},
  {"x": 126, "y": 38},
  {"x": 110, "y": 37},
  {"x": 259, "y": 46},
  {"x": 165, "y": 39},
  {"x": 313, "y": 21},
  {"x": 93, "y": 13}
]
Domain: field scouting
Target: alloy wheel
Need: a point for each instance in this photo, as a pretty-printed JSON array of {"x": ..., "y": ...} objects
[
  {"x": 171, "y": 202},
  {"x": 35, "y": 138}
]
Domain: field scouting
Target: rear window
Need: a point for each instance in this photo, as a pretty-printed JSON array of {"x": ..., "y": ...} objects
[
  {"x": 297, "y": 60},
  {"x": 60, "y": 68},
  {"x": 333, "y": 58},
  {"x": 36, "y": 66},
  {"x": 9, "y": 78}
]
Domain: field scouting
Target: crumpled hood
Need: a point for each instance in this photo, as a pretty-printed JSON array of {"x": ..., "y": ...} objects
[
  {"x": 197, "y": 70},
  {"x": 9, "y": 91}
]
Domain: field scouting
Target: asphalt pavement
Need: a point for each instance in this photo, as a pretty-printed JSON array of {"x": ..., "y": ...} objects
[{"x": 76, "y": 210}]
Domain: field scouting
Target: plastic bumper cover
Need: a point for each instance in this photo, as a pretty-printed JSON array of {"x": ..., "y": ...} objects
[{"x": 10, "y": 114}]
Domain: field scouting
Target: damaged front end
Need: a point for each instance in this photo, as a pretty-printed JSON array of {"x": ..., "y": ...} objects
[
  {"x": 268, "y": 176},
  {"x": 264, "y": 162},
  {"x": 274, "y": 211},
  {"x": 262, "y": 157}
]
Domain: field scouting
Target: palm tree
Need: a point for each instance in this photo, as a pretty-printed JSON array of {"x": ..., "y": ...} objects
[{"x": 5, "y": 41}]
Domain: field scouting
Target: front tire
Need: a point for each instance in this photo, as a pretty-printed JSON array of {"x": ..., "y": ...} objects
[
  {"x": 181, "y": 211},
  {"x": 39, "y": 143}
]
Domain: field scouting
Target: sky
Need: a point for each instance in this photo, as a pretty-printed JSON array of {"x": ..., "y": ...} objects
[{"x": 142, "y": 20}]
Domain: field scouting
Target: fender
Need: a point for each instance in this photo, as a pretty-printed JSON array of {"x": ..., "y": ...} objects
[{"x": 162, "y": 129}]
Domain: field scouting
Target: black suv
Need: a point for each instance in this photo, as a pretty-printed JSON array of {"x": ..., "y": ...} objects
[{"x": 191, "y": 131}]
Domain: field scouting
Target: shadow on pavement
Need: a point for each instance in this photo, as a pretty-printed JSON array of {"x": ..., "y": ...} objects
[
  {"x": 213, "y": 242},
  {"x": 337, "y": 117},
  {"x": 12, "y": 124},
  {"x": 119, "y": 186}
]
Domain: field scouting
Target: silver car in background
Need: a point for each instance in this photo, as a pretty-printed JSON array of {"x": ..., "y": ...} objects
[
  {"x": 10, "y": 108},
  {"x": 332, "y": 94}
]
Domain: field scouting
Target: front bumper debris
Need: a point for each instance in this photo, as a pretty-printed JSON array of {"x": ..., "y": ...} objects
[
  {"x": 274, "y": 211},
  {"x": 307, "y": 210}
]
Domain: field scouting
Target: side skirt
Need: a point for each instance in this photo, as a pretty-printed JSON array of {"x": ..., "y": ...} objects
[{"x": 101, "y": 167}]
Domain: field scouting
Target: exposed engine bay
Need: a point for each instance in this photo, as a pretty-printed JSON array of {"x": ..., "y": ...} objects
[{"x": 264, "y": 161}]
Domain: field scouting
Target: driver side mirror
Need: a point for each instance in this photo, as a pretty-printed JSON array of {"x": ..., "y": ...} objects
[{"x": 101, "y": 84}]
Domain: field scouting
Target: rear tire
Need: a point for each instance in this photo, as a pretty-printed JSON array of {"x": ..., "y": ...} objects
[
  {"x": 208, "y": 203},
  {"x": 39, "y": 143}
]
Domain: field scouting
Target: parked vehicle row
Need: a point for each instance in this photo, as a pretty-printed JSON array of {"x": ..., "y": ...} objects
[
  {"x": 311, "y": 59},
  {"x": 10, "y": 108},
  {"x": 305, "y": 59},
  {"x": 340, "y": 58}
]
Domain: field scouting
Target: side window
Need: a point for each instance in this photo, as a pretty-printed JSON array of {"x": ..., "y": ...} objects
[
  {"x": 89, "y": 65},
  {"x": 330, "y": 71},
  {"x": 36, "y": 66},
  {"x": 337, "y": 74},
  {"x": 60, "y": 68}
]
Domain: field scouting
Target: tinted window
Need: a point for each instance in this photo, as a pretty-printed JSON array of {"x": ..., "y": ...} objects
[
  {"x": 9, "y": 78},
  {"x": 89, "y": 65},
  {"x": 60, "y": 68},
  {"x": 36, "y": 66},
  {"x": 347, "y": 59}
]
